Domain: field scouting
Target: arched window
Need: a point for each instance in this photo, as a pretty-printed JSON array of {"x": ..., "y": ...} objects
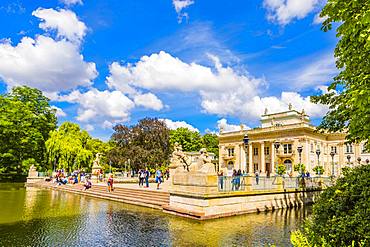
[{"x": 288, "y": 165}]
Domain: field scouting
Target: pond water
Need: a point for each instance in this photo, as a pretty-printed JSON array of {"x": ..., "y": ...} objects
[{"x": 38, "y": 217}]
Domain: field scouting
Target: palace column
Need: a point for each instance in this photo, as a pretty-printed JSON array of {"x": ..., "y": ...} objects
[
  {"x": 250, "y": 156},
  {"x": 272, "y": 165},
  {"x": 263, "y": 163}
]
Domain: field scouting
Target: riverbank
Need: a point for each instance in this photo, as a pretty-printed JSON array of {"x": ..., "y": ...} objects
[
  {"x": 30, "y": 216},
  {"x": 125, "y": 193}
]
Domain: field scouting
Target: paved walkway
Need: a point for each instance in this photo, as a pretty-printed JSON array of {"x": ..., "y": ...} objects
[{"x": 152, "y": 186}]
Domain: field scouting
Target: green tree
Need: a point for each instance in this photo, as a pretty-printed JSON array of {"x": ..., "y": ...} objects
[
  {"x": 350, "y": 105},
  {"x": 72, "y": 148},
  {"x": 144, "y": 144},
  {"x": 25, "y": 122},
  {"x": 210, "y": 141},
  {"x": 341, "y": 215},
  {"x": 191, "y": 141}
]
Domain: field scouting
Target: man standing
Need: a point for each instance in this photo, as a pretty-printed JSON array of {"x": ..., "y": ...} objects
[
  {"x": 147, "y": 175},
  {"x": 158, "y": 178}
]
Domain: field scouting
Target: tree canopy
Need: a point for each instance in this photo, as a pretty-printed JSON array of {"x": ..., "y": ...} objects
[
  {"x": 25, "y": 122},
  {"x": 71, "y": 148},
  {"x": 350, "y": 102},
  {"x": 341, "y": 216},
  {"x": 144, "y": 144}
]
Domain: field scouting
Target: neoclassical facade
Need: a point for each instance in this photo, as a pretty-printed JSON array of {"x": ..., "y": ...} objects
[{"x": 255, "y": 150}]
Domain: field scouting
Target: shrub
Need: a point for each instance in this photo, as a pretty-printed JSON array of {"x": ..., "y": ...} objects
[
  {"x": 319, "y": 170},
  {"x": 340, "y": 216},
  {"x": 299, "y": 168},
  {"x": 281, "y": 169}
]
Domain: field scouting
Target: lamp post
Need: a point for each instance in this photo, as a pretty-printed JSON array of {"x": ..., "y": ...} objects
[
  {"x": 300, "y": 149},
  {"x": 359, "y": 160},
  {"x": 276, "y": 145},
  {"x": 332, "y": 153},
  {"x": 349, "y": 159},
  {"x": 246, "y": 142},
  {"x": 318, "y": 152}
]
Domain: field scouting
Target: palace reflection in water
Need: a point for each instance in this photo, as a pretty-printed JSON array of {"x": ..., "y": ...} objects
[{"x": 34, "y": 217}]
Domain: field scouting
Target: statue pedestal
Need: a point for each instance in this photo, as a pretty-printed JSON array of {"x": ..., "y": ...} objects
[{"x": 194, "y": 183}]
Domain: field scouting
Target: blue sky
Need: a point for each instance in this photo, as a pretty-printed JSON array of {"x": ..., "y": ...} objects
[{"x": 197, "y": 63}]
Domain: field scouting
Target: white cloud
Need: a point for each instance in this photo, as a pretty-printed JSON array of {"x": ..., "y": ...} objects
[
  {"x": 318, "y": 20},
  {"x": 180, "y": 5},
  {"x": 148, "y": 100},
  {"x": 223, "y": 126},
  {"x": 178, "y": 124},
  {"x": 164, "y": 72},
  {"x": 89, "y": 127},
  {"x": 94, "y": 105},
  {"x": 223, "y": 90},
  {"x": 65, "y": 22},
  {"x": 278, "y": 104},
  {"x": 319, "y": 71},
  {"x": 71, "y": 2},
  {"x": 45, "y": 64},
  {"x": 59, "y": 111},
  {"x": 107, "y": 125},
  {"x": 285, "y": 11}
]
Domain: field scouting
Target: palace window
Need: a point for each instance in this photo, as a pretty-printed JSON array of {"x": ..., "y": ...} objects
[
  {"x": 267, "y": 150},
  {"x": 349, "y": 148},
  {"x": 363, "y": 149},
  {"x": 334, "y": 149},
  {"x": 287, "y": 148},
  {"x": 255, "y": 151},
  {"x": 311, "y": 147},
  {"x": 230, "y": 152}
]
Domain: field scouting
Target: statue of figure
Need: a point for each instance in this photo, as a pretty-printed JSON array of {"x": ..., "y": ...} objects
[
  {"x": 204, "y": 164},
  {"x": 303, "y": 115},
  {"x": 266, "y": 111},
  {"x": 179, "y": 159},
  {"x": 97, "y": 159},
  {"x": 290, "y": 106},
  {"x": 241, "y": 127}
]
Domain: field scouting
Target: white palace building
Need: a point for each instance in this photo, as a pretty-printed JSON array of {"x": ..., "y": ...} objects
[{"x": 286, "y": 138}]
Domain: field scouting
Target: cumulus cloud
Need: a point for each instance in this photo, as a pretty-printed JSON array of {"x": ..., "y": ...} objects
[
  {"x": 285, "y": 11},
  {"x": 71, "y": 2},
  {"x": 180, "y": 5},
  {"x": 223, "y": 126},
  {"x": 223, "y": 90},
  {"x": 178, "y": 124},
  {"x": 45, "y": 63},
  {"x": 65, "y": 22},
  {"x": 95, "y": 105},
  {"x": 148, "y": 100},
  {"x": 59, "y": 112}
]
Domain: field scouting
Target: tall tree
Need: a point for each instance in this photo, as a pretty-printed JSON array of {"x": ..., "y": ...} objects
[
  {"x": 191, "y": 141},
  {"x": 72, "y": 148},
  {"x": 210, "y": 141},
  {"x": 350, "y": 104},
  {"x": 25, "y": 122},
  {"x": 144, "y": 144}
]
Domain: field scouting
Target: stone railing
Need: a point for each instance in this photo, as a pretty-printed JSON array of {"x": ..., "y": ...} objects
[{"x": 250, "y": 183}]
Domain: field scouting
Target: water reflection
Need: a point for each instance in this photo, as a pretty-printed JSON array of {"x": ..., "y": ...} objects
[{"x": 34, "y": 217}]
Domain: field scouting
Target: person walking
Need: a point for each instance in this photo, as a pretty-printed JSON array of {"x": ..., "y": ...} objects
[
  {"x": 158, "y": 178},
  {"x": 234, "y": 180},
  {"x": 221, "y": 179},
  {"x": 110, "y": 183},
  {"x": 147, "y": 175},
  {"x": 141, "y": 178},
  {"x": 257, "y": 176}
]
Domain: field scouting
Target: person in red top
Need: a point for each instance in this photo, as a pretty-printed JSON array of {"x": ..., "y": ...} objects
[{"x": 110, "y": 183}]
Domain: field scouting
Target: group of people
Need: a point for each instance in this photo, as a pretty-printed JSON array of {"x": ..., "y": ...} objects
[{"x": 144, "y": 175}]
